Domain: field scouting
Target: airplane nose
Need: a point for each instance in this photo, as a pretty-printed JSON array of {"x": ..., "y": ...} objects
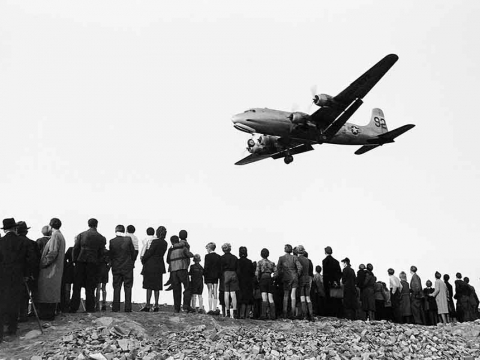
[{"x": 235, "y": 118}]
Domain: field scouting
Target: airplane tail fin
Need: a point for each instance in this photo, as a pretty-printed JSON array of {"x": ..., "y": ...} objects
[
  {"x": 385, "y": 138},
  {"x": 377, "y": 122}
]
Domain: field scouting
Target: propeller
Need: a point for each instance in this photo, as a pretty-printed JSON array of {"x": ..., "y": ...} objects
[{"x": 313, "y": 91}]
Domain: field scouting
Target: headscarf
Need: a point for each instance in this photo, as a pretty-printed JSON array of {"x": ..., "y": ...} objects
[{"x": 161, "y": 232}]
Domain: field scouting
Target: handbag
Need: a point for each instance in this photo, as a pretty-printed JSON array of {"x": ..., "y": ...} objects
[{"x": 336, "y": 292}]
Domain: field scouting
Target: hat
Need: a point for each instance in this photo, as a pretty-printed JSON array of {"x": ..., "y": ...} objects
[
  {"x": 9, "y": 224},
  {"x": 22, "y": 226},
  {"x": 301, "y": 250},
  {"x": 346, "y": 260}
]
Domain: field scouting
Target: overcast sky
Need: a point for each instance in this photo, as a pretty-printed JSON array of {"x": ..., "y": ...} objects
[{"x": 121, "y": 111}]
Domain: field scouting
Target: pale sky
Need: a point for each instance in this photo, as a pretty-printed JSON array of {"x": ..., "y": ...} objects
[{"x": 121, "y": 111}]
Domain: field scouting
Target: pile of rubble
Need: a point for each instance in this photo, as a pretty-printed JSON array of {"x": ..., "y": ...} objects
[{"x": 328, "y": 338}]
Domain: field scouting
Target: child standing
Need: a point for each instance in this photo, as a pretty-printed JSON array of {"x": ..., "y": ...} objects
[
  {"x": 103, "y": 270},
  {"x": 196, "y": 283}
]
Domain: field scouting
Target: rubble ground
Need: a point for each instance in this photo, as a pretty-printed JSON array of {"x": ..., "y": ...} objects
[{"x": 167, "y": 335}]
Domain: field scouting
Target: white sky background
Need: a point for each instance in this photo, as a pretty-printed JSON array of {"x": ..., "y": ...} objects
[{"x": 121, "y": 111}]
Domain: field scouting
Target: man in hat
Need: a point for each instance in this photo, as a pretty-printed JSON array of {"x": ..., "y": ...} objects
[
  {"x": 16, "y": 263},
  {"x": 51, "y": 272},
  {"x": 122, "y": 257},
  {"x": 22, "y": 231},
  {"x": 87, "y": 253},
  {"x": 331, "y": 278}
]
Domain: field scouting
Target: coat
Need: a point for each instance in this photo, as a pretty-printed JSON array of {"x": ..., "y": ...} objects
[
  {"x": 122, "y": 255},
  {"x": 154, "y": 265},
  {"x": 89, "y": 247},
  {"x": 349, "y": 289},
  {"x": 405, "y": 308},
  {"x": 51, "y": 270},
  {"x": 440, "y": 295},
  {"x": 331, "y": 272},
  {"x": 213, "y": 269},
  {"x": 245, "y": 275}
]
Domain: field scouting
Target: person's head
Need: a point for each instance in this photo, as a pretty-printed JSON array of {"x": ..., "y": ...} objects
[
  {"x": 318, "y": 269},
  {"x": 55, "y": 223},
  {"x": 174, "y": 239},
  {"x": 403, "y": 275},
  {"x": 301, "y": 250},
  {"x": 413, "y": 269},
  {"x": 346, "y": 262},
  {"x": 242, "y": 252},
  {"x": 150, "y": 231},
  {"x": 22, "y": 228},
  {"x": 328, "y": 250},
  {"x": 161, "y": 232},
  {"x": 226, "y": 248},
  {"x": 446, "y": 277},
  {"x": 391, "y": 271},
  {"x": 429, "y": 283},
  {"x": 361, "y": 267},
  {"x": 9, "y": 225},
  {"x": 288, "y": 248},
  {"x": 92, "y": 223},
  {"x": 119, "y": 229},
  {"x": 437, "y": 275},
  {"x": 46, "y": 230},
  {"x": 295, "y": 251},
  {"x": 369, "y": 267},
  {"x": 305, "y": 254},
  {"x": 459, "y": 276},
  {"x": 183, "y": 234},
  {"x": 211, "y": 246},
  {"x": 466, "y": 279},
  {"x": 131, "y": 229},
  {"x": 196, "y": 258},
  {"x": 264, "y": 253}
]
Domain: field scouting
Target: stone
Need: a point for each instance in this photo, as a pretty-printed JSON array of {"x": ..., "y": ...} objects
[{"x": 32, "y": 334}]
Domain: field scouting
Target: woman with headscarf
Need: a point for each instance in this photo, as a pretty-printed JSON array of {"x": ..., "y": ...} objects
[
  {"x": 154, "y": 266},
  {"x": 245, "y": 274},
  {"x": 368, "y": 294},
  {"x": 440, "y": 295},
  {"x": 405, "y": 309}
]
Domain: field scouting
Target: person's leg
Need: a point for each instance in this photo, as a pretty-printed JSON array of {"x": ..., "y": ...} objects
[
  {"x": 128, "y": 284},
  {"x": 311, "y": 316},
  {"x": 104, "y": 297},
  {"x": 286, "y": 294},
  {"x": 91, "y": 281},
  {"x": 293, "y": 297},
  {"x": 77, "y": 286},
  {"x": 148, "y": 297},
  {"x": 117, "y": 286},
  {"x": 156, "y": 294},
  {"x": 210, "y": 297},
  {"x": 194, "y": 301},
  {"x": 177, "y": 290},
  {"x": 272, "y": 313},
  {"x": 187, "y": 293},
  {"x": 215, "y": 296},
  {"x": 98, "y": 289}
]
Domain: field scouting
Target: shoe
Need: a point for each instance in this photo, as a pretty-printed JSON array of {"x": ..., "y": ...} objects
[
  {"x": 145, "y": 309},
  {"x": 210, "y": 312},
  {"x": 129, "y": 310},
  {"x": 216, "y": 312},
  {"x": 188, "y": 309},
  {"x": 104, "y": 308},
  {"x": 156, "y": 309},
  {"x": 201, "y": 311}
]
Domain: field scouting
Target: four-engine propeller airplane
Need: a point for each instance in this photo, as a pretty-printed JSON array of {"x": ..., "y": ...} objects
[{"x": 289, "y": 133}]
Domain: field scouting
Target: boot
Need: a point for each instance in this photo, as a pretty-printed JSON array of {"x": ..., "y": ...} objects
[
  {"x": 285, "y": 310},
  {"x": 235, "y": 314},
  {"x": 272, "y": 312},
  {"x": 248, "y": 314},
  {"x": 310, "y": 312},
  {"x": 303, "y": 311},
  {"x": 242, "y": 311},
  {"x": 263, "y": 315}
]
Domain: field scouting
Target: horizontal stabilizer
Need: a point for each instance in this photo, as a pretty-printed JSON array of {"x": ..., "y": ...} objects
[
  {"x": 365, "y": 148},
  {"x": 390, "y": 135}
]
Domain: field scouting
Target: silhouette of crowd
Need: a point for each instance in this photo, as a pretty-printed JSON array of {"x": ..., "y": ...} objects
[{"x": 42, "y": 278}]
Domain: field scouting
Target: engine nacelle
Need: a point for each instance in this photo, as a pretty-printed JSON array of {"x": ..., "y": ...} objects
[
  {"x": 323, "y": 100},
  {"x": 265, "y": 144},
  {"x": 298, "y": 117}
]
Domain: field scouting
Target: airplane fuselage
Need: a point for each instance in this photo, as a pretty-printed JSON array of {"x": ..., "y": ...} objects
[{"x": 278, "y": 123}]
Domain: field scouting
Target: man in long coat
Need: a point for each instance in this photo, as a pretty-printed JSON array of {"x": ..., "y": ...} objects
[
  {"x": 15, "y": 267},
  {"x": 417, "y": 298},
  {"x": 51, "y": 271},
  {"x": 349, "y": 290},
  {"x": 331, "y": 278},
  {"x": 87, "y": 252}
]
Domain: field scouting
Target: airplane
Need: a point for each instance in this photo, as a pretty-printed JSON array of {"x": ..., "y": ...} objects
[{"x": 284, "y": 134}]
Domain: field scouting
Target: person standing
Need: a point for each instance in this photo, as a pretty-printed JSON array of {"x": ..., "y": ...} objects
[
  {"x": 417, "y": 297},
  {"x": 304, "y": 285},
  {"x": 196, "y": 284},
  {"x": 289, "y": 268},
  {"x": 405, "y": 308},
  {"x": 472, "y": 300},
  {"x": 395, "y": 295},
  {"x": 319, "y": 291},
  {"x": 245, "y": 274},
  {"x": 131, "y": 234},
  {"x": 331, "y": 279},
  {"x": 265, "y": 273},
  {"x": 102, "y": 281},
  {"x": 51, "y": 272},
  {"x": 431, "y": 309},
  {"x": 67, "y": 279},
  {"x": 440, "y": 295},
  {"x": 462, "y": 294},
  {"x": 15, "y": 267},
  {"x": 451, "y": 305},
  {"x": 349, "y": 290},
  {"x": 179, "y": 259},
  {"x": 212, "y": 272},
  {"x": 41, "y": 242},
  {"x": 368, "y": 293},
  {"x": 88, "y": 252},
  {"x": 154, "y": 266},
  {"x": 229, "y": 263},
  {"x": 122, "y": 257}
]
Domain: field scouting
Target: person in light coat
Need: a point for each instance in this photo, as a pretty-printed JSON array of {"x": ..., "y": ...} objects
[
  {"x": 51, "y": 271},
  {"x": 440, "y": 295}
]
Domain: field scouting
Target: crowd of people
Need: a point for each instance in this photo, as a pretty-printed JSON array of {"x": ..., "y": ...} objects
[{"x": 42, "y": 278}]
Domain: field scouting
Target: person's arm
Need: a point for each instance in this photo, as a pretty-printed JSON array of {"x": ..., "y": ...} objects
[
  {"x": 299, "y": 267},
  {"x": 51, "y": 252}
]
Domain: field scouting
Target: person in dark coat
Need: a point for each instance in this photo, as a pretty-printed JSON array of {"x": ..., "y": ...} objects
[
  {"x": 67, "y": 279},
  {"x": 42, "y": 242},
  {"x": 319, "y": 292},
  {"x": 16, "y": 262},
  {"x": 196, "y": 284},
  {"x": 212, "y": 272},
  {"x": 472, "y": 300},
  {"x": 417, "y": 298},
  {"x": 368, "y": 293},
  {"x": 451, "y": 305},
  {"x": 331, "y": 278},
  {"x": 22, "y": 231},
  {"x": 88, "y": 252},
  {"x": 405, "y": 308},
  {"x": 229, "y": 265},
  {"x": 245, "y": 274},
  {"x": 122, "y": 257},
  {"x": 102, "y": 281},
  {"x": 154, "y": 266},
  {"x": 179, "y": 259},
  {"x": 304, "y": 286},
  {"x": 431, "y": 308},
  {"x": 349, "y": 290}
]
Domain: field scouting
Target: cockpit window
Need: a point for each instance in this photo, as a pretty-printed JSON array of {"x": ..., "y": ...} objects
[{"x": 250, "y": 110}]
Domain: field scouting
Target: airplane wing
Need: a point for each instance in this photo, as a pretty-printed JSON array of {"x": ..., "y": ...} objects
[
  {"x": 278, "y": 155},
  {"x": 365, "y": 148},
  {"x": 336, "y": 116}
]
